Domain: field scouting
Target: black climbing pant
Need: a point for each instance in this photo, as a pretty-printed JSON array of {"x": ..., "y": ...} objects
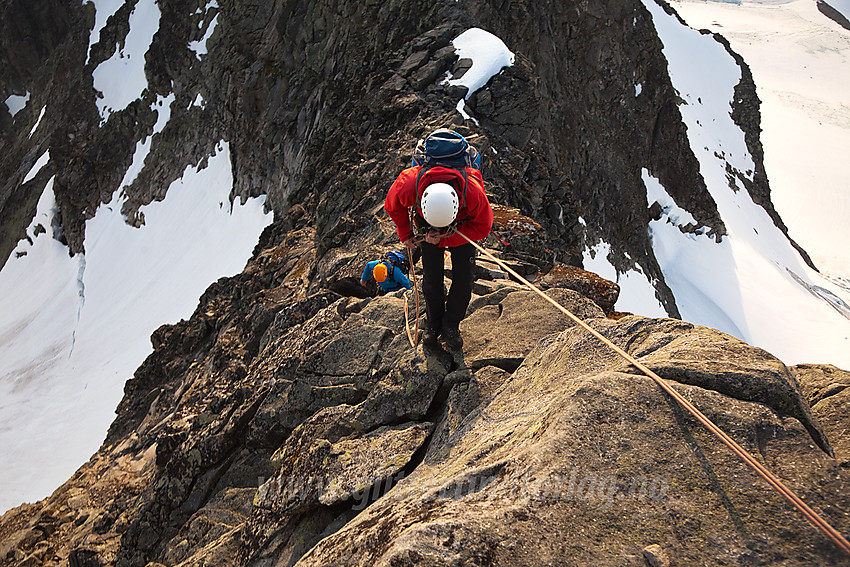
[{"x": 446, "y": 310}]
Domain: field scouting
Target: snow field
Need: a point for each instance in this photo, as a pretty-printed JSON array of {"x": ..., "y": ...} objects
[
  {"x": 800, "y": 61},
  {"x": 637, "y": 294},
  {"x": 753, "y": 284},
  {"x": 16, "y": 103},
  {"x": 66, "y": 347},
  {"x": 121, "y": 78}
]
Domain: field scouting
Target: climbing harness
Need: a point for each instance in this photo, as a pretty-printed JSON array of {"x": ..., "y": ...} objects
[
  {"x": 786, "y": 492},
  {"x": 414, "y": 339}
]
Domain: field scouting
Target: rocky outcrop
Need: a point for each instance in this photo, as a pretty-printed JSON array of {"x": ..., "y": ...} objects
[
  {"x": 827, "y": 389},
  {"x": 279, "y": 426},
  {"x": 38, "y": 47},
  {"x": 557, "y": 466},
  {"x": 603, "y": 292},
  {"x": 827, "y": 10}
]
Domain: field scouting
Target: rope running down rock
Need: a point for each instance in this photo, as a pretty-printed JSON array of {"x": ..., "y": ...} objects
[
  {"x": 414, "y": 339},
  {"x": 777, "y": 484}
]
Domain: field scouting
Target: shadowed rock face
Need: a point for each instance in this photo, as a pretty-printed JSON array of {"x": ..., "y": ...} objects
[
  {"x": 322, "y": 102},
  {"x": 289, "y": 421},
  {"x": 833, "y": 14}
]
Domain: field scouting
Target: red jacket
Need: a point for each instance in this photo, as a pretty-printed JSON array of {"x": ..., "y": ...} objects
[{"x": 475, "y": 214}]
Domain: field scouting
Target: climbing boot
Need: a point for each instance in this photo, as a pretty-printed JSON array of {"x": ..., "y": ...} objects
[
  {"x": 452, "y": 337},
  {"x": 429, "y": 337}
]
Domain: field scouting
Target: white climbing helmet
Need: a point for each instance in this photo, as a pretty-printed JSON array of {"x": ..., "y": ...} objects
[{"x": 440, "y": 204}]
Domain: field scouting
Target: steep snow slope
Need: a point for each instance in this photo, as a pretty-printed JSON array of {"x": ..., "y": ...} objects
[
  {"x": 800, "y": 62},
  {"x": 74, "y": 329},
  {"x": 752, "y": 284}
]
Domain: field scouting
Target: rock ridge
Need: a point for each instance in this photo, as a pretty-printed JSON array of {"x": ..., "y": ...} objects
[
  {"x": 279, "y": 425},
  {"x": 288, "y": 421}
]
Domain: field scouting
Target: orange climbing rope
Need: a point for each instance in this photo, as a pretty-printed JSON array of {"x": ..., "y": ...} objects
[
  {"x": 789, "y": 495},
  {"x": 414, "y": 339}
]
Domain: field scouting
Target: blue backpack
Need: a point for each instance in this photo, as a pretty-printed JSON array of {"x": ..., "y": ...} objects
[
  {"x": 446, "y": 148},
  {"x": 399, "y": 260}
]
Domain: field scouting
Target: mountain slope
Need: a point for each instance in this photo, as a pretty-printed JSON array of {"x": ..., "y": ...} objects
[
  {"x": 317, "y": 106},
  {"x": 804, "y": 111},
  {"x": 274, "y": 421}
]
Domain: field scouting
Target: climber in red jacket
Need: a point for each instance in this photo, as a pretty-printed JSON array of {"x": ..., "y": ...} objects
[{"x": 431, "y": 204}]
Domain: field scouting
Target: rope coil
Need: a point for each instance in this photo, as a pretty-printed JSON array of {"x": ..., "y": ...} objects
[{"x": 751, "y": 461}]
